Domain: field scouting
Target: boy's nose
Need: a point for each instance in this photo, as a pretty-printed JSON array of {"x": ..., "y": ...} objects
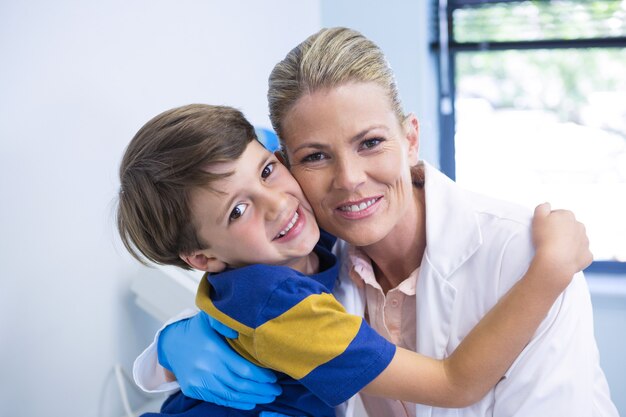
[{"x": 274, "y": 204}]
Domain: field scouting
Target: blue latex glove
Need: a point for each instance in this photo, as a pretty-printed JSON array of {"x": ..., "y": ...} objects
[
  {"x": 208, "y": 369},
  {"x": 223, "y": 329},
  {"x": 271, "y": 414}
]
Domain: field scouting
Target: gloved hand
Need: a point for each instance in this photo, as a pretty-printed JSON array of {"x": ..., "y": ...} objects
[
  {"x": 271, "y": 414},
  {"x": 223, "y": 329},
  {"x": 208, "y": 369}
]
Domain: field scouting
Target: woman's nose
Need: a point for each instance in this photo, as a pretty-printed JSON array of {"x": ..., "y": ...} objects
[{"x": 348, "y": 174}]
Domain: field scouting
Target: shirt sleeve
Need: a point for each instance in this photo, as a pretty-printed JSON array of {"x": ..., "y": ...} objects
[
  {"x": 332, "y": 353},
  {"x": 147, "y": 372},
  {"x": 560, "y": 364}
]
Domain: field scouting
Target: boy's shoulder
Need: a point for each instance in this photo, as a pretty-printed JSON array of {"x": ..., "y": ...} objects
[
  {"x": 326, "y": 242},
  {"x": 263, "y": 279},
  {"x": 254, "y": 294}
]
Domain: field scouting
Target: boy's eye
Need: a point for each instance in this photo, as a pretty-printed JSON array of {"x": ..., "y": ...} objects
[
  {"x": 237, "y": 211},
  {"x": 371, "y": 143},
  {"x": 267, "y": 171}
]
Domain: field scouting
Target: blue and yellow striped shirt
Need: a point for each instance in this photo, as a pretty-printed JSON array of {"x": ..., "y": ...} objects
[{"x": 291, "y": 323}]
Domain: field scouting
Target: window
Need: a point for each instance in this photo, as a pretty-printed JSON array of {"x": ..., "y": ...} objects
[{"x": 533, "y": 108}]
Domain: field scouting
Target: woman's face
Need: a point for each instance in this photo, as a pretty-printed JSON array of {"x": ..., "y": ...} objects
[{"x": 352, "y": 158}]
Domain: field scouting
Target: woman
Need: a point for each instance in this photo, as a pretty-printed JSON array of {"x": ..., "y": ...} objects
[{"x": 424, "y": 260}]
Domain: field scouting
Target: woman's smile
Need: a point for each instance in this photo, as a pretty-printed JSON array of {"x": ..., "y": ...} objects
[{"x": 360, "y": 208}]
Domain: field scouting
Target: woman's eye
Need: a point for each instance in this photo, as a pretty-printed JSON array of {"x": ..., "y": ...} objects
[
  {"x": 314, "y": 157},
  {"x": 371, "y": 143},
  {"x": 267, "y": 171},
  {"x": 237, "y": 211}
]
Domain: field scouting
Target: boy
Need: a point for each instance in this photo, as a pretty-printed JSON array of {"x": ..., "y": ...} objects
[{"x": 197, "y": 190}]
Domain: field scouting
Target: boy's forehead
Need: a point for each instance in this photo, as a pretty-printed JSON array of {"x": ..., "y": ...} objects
[
  {"x": 229, "y": 167},
  {"x": 239, "y": 170}
]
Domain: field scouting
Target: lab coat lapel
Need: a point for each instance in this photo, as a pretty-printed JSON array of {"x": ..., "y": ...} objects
[
  {"x": 452, "y": 236},
  {"x": 351, "y": 296}
]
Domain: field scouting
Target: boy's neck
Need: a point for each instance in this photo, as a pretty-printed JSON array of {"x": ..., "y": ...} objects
[{"x": 307, "y": 265}]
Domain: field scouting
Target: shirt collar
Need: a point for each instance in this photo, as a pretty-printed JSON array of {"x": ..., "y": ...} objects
[{"x": 362, "y": 272}]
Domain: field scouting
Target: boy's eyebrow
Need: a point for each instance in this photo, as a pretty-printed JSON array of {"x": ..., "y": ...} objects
[{"x": 229, "y": 202}]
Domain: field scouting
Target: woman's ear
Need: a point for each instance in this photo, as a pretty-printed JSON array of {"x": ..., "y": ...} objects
[
  {"x": 412, "y": 129},
  {"x": 204, "y": 261}
]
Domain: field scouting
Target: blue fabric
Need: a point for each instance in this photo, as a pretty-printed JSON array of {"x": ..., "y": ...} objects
[
  {"x": 361, "y": 365},
  {"x": 243, "y": 293},
  {"x": 178, "y": 405},
  {"x": 257, "y": 294}
]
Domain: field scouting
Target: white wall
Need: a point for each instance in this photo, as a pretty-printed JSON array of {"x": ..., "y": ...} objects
[{"x": 77, "y": 79}]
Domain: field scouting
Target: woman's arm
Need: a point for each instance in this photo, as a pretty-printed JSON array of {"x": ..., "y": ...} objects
[
  {"x": 490, "y": 348},
  {"x": 208, "y": 369}
]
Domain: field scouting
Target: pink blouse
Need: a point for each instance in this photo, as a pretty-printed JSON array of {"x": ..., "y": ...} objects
[{"x": 392, "y": 315}]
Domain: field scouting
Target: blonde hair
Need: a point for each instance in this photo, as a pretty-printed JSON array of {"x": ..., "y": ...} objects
[{"x": 327, "y": 59}]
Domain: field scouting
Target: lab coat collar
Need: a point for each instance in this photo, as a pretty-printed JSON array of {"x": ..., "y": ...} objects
[{"x": 452, "y": 227}]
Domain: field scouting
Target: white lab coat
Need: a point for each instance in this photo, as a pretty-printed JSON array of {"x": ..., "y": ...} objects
[{"x": 477, "y": 248}]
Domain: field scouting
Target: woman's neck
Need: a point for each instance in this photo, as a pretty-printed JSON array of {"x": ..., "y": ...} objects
[{"x": 400, "y": 252}]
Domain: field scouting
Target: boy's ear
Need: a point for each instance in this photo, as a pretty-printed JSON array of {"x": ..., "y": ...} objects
[{"x": 204, "y": 262}]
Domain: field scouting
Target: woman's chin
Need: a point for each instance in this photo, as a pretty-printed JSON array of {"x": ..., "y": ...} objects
[{"x": 359, "y": 237}]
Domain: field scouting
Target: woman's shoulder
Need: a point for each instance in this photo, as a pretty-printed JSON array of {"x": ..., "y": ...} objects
[
  {"x": 446, "y": 198},
  {"x": 502, "y": 211}
]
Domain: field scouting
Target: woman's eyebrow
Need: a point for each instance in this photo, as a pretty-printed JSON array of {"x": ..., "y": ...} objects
[
  {"x": 363, "y": 133},
  {"x": 314, "y": 145},
  {"x": 359, "y": 136},
  {"x": 355, "y": 138}
]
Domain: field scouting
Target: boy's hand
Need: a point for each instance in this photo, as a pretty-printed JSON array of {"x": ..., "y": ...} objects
[
  {"x": 208, "y": 369},
  {"x": 561, "y": 244}
]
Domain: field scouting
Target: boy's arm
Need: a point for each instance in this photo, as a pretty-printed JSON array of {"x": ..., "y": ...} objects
[{"x": 489, "y": 349}]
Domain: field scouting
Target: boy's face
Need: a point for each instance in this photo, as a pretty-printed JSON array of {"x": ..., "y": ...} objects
[{"x": 260, "y": 216}]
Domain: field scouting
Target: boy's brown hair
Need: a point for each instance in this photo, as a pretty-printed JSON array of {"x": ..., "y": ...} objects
[{"x": 168, "y": 158}]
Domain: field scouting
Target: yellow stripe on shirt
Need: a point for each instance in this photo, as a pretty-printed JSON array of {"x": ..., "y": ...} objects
[{"x": 308, "y": 335}]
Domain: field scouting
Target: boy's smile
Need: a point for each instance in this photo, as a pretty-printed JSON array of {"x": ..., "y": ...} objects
[{"x": 258, "y": 214}]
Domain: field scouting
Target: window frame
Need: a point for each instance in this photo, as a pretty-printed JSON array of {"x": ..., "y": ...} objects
[{"x": 447, "y": 49}]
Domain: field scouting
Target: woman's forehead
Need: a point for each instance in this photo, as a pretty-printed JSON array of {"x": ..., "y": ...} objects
[{"x": 339, "y": 112}]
